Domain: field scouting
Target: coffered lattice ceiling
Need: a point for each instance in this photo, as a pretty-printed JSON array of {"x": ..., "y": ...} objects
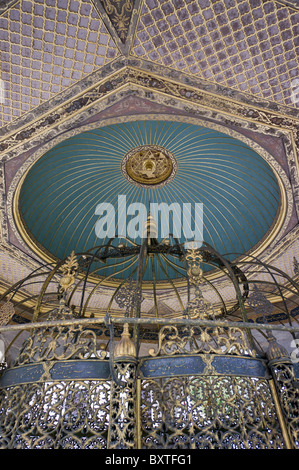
[
  {"x": 250, "y": 46},
  {"x": 47, "y": 46}
]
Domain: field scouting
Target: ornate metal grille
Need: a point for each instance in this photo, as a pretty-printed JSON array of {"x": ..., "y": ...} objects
[
  {"x": 196, "y": 400},
  {"x": 210, "y": 412},
  {"x": 202, "y": 385},
  {"x": 54, "y": 415},
  {"x": 288, "y": 391}
]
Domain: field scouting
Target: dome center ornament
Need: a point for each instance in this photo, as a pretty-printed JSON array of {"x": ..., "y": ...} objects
[{"x": 149, "y": 165}]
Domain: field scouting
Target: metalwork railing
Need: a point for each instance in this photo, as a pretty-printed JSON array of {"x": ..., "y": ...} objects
[
  {"x": 199, "y": 387},
  {"x": 205, "y": 382}
]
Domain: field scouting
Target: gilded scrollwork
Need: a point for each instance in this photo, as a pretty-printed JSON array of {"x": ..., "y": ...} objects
[
  {"x": 194, "y": 260},
  {"x": 59, "y": 342},
  {"x": 119, "y": 12},
  {"x": 122, "y": 433},
  {"x": 128, "y": 297},
  {"x": 69, "y": 269},
  {"x": 218, "y": 340}
]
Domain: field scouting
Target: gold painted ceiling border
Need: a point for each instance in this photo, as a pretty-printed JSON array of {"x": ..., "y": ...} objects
[
  {"x": 118, "y": 77},
  {"x": 119, "y": 72},
  {"x": 66, "y": 105}
]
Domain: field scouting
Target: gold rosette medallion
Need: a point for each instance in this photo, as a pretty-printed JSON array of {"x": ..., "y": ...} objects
[{"x": 149, "y": 165}]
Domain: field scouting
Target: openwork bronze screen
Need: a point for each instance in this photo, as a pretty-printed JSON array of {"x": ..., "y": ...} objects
[
  {"x": 214, "y": 412},
  {"x": 57, "y": 398},
  {"x": 55, "y": 415},
  {"x": 203, "y": 384}
]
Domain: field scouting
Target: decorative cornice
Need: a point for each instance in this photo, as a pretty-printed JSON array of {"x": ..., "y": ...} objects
[
  {"x": 119, "y": 73},
  {"x": 212, "y": 88},
  {"x": 64, "y": 105}
]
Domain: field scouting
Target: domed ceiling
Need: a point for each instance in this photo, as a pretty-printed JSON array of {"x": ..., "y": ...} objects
[{"x": 147, "y": 162}]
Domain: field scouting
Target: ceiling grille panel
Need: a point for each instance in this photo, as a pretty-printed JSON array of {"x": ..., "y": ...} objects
[
  {"x": 251, "y": 46},
  {"x": 45, "y": 47}
]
